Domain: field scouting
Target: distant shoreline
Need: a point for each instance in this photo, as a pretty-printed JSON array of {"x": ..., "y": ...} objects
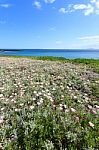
[
  {"x": 49, "y": 49},
  {"x": 66, "y": 53},
  {"x": 3, "y": 50},
  {"x": 52, "y": 50}
]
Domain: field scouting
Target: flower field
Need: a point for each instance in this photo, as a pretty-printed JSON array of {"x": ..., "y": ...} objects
[{"x": 48, "y": 105}]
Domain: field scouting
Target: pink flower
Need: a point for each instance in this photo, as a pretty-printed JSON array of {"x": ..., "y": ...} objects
[
  {"x": 97, "y": 107},
  {"x": 94, "y": 112},
  {"x": 91, "y": 124}
]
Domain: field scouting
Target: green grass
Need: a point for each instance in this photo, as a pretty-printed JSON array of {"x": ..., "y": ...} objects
[{"x": 50, "y": 58}]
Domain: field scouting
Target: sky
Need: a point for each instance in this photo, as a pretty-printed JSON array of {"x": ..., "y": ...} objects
[{"x": 46, "y": 24}]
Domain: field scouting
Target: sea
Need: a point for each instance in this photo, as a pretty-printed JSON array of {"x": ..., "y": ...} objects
[{"x": 66, "y": 53}]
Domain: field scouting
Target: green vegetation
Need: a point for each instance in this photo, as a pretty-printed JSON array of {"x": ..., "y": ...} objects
[
  {"x": 38, "y": 57},
  {"x": 49, "y": 105},
  {"x": 93, "y": 63}
]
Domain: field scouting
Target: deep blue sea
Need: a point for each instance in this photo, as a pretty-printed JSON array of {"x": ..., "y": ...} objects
[{"x": 54, "y": 52}]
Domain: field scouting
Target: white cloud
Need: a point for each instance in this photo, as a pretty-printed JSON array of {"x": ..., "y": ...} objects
[
  {"x": 90, "y": 41},
  {"x": 79, "y": 6},
  {"x": 90, "y": 8},
  {"x": 90, "y": 38},
  {"x": 5, "y": 5},
  {"x": 63, "y": 10},
  {"x": 37, "y": 4},
  {"x": 97, "y": 12},
  {"x": 96, "y": 3},
  {"x": 92, "y": 1},
  {"x": 49, "y": 1},
  {"x": 87, "y": 9}
]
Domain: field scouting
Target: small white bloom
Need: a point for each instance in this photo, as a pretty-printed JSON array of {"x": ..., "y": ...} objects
[
  {"x": 62, "y": 96},
  {"x": 31, "y": 107},
  {"x": 34, "y": 98},
  {"x": 66, "y": 110},
  {"x": 43, "y": 91},
  {"x": 2, "y": 108},
  {"x": 75, "y": 97},
  {"x": 54, "y": 106},
  {"x": 21, "y": 104},
  {"x": 53, "y": 89},
  {"x": 47, "y": 90},
  {"x": 1, "y": 95},
  {"x": 61, "y": 108},
  {"x": 12, "y": 100},
  {"x": 40, "y": 93},
  {"x": 70, "y": 90},
  {"x": 77, "y": 119},
  {"x": 89, "y": 106},
  {"x": 48, "y": 94},
  {"x": 11, "y": 96},
  {"x": 35, "y": 92},
  {"x": 38, "y": 103},
  {"x": 86, "y": 98},
  {"x": 45, "y": 95},
  {"x": 65, "y": 106},
  {"x": 16, "y": 110},
  {"x": 72, "y": 110},
  {"x": 51, "y": 100},
  {"x": 61, "y": 105},
  {"x": 41, "y": 100},
  {"x": 1, "y": 146},
  {"x": 1, "y": 119}
]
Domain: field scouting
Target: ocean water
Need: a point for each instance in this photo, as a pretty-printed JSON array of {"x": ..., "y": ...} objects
[{"x": 72, "y": 54}]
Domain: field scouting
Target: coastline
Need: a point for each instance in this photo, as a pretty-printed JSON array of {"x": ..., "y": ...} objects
[{"x": 66, "y": 53}]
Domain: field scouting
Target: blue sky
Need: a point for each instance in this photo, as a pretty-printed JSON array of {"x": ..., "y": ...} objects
[{"x": 49, "y": 24}]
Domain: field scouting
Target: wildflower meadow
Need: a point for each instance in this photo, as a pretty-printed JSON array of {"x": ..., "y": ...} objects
[{"x": 48, "y": 105}]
